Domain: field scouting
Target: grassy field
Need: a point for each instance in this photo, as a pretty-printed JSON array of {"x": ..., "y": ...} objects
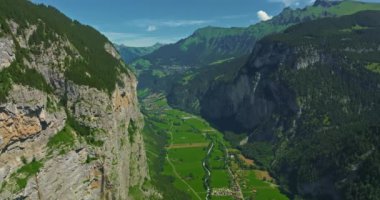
[
  {"x": 185, "y": 146},
  {"x": 220, "y": 179},
  {"x": 177, "y": 144}
]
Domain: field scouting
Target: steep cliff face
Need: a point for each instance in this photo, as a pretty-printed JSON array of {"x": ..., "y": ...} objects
[
  {"x": 67, "y": 131},
  {"x": 308, "y": 100},
  {"x": 255, "y": 94}
]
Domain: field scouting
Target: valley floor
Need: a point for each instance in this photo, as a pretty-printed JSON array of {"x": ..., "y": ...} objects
[{"x": 189, "y": 158}]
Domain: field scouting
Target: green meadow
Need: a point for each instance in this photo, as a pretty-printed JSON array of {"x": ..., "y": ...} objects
[
  {"x": 220, "y": 178},
  {"x": 177, "y": 144}
]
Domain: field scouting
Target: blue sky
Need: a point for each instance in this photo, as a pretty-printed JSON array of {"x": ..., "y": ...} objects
[{"x": 145, "y": 22}]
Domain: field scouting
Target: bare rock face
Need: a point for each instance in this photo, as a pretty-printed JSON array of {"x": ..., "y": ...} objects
[
  {"x": 70, "y": 177},
  {"x": 75, "y": 142},
  {"x": 113, "y": 116},
  {"x": 18, "y": 122},
  {"x": 7, "y": 52},
  {"x": 111, "y": 50},
  {"x": 25, "y": 116},
  {"x": 25, "y": 127}
]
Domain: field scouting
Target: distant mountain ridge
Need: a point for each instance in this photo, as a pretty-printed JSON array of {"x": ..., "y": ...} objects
[
  {"x": 129, "y": 54},
  {"x": 210, "y": 44},
  {"x": 327, "y": 3}
]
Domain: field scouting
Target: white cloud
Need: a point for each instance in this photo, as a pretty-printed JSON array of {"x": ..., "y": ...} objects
[
  {"x": 151, "y": 28},
  {"x": 263, "y": 16}
]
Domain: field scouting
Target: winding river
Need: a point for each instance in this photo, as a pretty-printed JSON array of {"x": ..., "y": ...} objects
[{"x": 208, "y": 172}]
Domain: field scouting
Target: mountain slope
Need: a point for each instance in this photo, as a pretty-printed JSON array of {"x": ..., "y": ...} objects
[
  {"x": 166, "y": 68},
  {"x": 309, "y": 101},
  {"x": 129, "y": 54},
  {"x": 69, "y": 116},
  {"x": 211, "y": 44}
]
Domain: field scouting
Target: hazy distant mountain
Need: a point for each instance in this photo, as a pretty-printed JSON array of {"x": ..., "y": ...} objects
[{"x": 129, "y": 54}]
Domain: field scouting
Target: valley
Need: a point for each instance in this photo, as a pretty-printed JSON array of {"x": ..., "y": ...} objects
[
  {"x": 304, "y": 104},
  {"x": 285, "y": 108},
  {"x": 197, "y": 161}
]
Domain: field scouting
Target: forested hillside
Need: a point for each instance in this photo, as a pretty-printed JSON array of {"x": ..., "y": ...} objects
[{"x": 308, "y": 100}]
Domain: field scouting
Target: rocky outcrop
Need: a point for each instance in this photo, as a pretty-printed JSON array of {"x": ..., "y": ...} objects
[
  {"x": 7, "y": 53},
  {"x": 24, "y": 117},
  {"x": 69, "y": 176},
  {"x": 25, "y": 127},
  {"x": 111, "y": 50}
]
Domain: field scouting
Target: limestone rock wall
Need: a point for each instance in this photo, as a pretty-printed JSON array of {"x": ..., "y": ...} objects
[{"x": 35, "y": 161}]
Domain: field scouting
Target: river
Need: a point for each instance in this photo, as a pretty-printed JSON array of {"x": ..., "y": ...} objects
[{"x": 208, "y": 172}]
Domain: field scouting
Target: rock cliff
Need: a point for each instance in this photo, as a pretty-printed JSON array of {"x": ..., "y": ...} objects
[{"x": 63, "y": 137}]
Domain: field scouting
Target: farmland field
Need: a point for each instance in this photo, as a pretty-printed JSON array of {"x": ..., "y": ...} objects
[{"x": 189, "y": 159}]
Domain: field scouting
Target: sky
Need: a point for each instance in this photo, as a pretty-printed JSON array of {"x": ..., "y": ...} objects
[{"x": 146, "y": 22}]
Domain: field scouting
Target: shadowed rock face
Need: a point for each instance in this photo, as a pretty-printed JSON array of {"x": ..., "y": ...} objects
[{"x": 255, "y": 94}]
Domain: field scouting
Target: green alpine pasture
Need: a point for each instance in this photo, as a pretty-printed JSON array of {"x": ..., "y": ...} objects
[{"x": 177, "y": 144}]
